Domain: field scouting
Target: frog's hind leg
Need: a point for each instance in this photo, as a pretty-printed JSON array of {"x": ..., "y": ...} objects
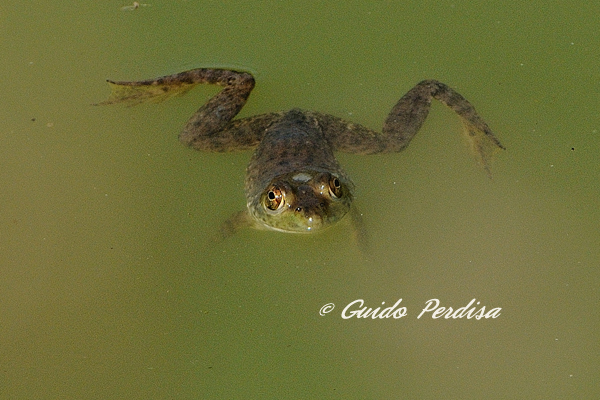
[
  {"x": 211, "y": 127},
  {"x": 408, "y": 115},
  {"x": 147, "y": 91}
]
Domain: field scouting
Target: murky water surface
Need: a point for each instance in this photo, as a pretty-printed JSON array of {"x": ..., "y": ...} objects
[{"x": 112, "y": 288}]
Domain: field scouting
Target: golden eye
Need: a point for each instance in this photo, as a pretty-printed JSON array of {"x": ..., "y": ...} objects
[
  {"x": 274, "y": 198},
  {"x": 335, "y": 187}
]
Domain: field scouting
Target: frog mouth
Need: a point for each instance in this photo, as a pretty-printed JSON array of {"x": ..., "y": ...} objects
[
  {"x": 299, "y": 225},
  {"x": 308, "y": 216},
  {"x": 310, "y": 219}
]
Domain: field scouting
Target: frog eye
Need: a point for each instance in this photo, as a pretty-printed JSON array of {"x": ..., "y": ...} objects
[
  {"x": 274, "y": 199},
  {"x": 335, "y": 187}
]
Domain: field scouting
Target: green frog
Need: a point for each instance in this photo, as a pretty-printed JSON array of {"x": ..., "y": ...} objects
[{"x": 293, "y": 181}]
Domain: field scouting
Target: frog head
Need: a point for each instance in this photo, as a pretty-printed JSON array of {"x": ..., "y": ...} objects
[{"x": 303, "y": 201}]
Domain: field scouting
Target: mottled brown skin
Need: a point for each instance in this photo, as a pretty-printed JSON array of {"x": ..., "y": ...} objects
[{"x": 293, "y": 181}]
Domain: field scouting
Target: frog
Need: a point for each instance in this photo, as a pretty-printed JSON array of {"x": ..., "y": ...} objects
[{"x": 294, "y": 183}]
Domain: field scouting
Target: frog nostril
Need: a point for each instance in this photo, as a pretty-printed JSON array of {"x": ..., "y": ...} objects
[{"x": 298, "y": 209}]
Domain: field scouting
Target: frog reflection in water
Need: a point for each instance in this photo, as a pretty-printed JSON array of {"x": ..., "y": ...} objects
[{"x": 293, "y": 181}]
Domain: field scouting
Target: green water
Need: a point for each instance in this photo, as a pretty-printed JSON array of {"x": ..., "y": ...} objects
[{"x": 111, "y": 287}]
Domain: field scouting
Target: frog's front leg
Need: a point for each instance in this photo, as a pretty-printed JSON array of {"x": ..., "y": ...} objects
[
  {"x": 406, "y": 118},
  {"x": 212, "y": 127}
]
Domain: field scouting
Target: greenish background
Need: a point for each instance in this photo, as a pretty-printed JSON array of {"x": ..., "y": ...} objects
[{"x": 110, "y": 284}]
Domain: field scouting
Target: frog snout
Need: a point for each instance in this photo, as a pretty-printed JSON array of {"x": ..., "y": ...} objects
[{"x": 309, "y": 204}]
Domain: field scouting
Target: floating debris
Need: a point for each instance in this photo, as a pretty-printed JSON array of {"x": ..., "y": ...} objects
[{"x": 134, "y": 6}]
